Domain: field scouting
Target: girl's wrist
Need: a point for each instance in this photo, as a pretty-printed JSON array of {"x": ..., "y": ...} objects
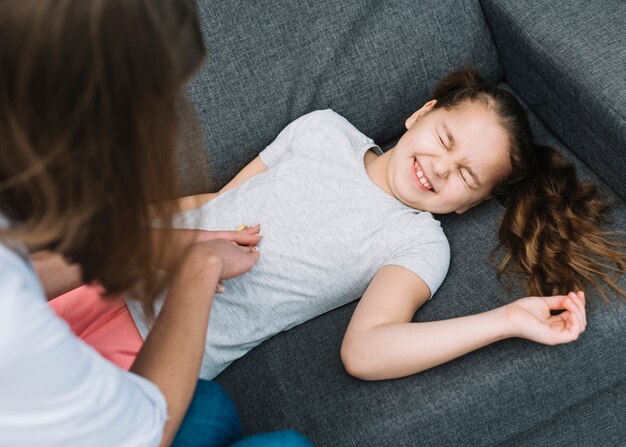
[{"x": 504, "y": 323}]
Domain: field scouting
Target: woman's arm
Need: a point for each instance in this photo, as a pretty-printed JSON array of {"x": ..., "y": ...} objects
[
  {"x": 381, "y": 342},
  {"x": 253, "y": 168},
  {"x": 172, "y": 353},
  {"x": 57, "y": 276}
]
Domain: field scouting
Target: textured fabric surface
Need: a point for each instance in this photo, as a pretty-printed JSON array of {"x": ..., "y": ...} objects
[
  {"x": 296, "y": 379},
  {"x": 567, "y": 59},
  {"x": 582, "y": 425},
  {"x": 268, "y": 63}
]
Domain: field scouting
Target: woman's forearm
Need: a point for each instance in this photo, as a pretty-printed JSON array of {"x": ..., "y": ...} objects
[
  {"x": 400, "y": 349},
  {"x": 172, "y": 353}
]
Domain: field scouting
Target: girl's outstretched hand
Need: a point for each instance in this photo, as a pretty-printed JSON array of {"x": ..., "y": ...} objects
[{"x": 530, "y": 318}]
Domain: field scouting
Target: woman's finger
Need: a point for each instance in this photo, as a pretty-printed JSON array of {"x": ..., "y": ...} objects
[
  {"x": 241, "y": 238},
  {"x": 220, "y": 288},
  {"x": 253, "y": 229},
  {"x": 248, "y": 249}
]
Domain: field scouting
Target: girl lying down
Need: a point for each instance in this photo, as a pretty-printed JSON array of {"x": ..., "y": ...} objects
[{"x": 342, "y": 220}]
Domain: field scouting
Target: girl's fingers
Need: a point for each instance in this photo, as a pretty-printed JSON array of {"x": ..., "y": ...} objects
[
  {"x": 580, "y": 305},
  {"x": 581, "y": 296},
  {"x": 555, "y": 302},
  {"x": 573, "y": 324}
]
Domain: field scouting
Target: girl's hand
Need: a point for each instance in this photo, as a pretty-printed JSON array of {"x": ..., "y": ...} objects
[{"x": 530, "y": 318}]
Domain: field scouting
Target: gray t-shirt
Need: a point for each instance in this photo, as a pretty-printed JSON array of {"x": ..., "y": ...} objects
[{"x": 327, "y": 229}]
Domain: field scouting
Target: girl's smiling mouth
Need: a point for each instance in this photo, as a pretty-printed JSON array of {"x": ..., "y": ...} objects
[{"x": 420, "y": 177}]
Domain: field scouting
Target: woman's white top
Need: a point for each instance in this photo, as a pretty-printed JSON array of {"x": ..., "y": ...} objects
[{"x": 54, "y": 389}]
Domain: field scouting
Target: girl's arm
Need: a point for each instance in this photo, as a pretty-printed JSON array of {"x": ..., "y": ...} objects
[
  {"x": 253, "y": 168},
  {"x": 381, "y": 342}
]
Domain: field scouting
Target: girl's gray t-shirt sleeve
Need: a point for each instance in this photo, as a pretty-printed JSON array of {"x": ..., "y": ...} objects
[
  {"x": 428, "y": 256},
  {"x": 281, "y": 146}
]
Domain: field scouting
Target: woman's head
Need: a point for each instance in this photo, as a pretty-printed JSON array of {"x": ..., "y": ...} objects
[
  {"x": 88, "y": 125},
  {"x": 473, "y": 131}
]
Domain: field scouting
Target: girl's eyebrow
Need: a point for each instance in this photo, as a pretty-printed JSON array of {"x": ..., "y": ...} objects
[{"x": 451, "y": 140}]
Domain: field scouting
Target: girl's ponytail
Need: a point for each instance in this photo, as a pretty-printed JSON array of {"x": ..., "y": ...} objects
[{"x": 551, "y": 229}]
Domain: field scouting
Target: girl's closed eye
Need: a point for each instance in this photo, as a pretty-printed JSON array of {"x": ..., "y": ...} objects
[
  {"x": 448, "y": 149},
  {"x": 463, "y": 177}
]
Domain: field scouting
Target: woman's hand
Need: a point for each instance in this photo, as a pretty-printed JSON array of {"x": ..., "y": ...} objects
[
  {"x": 530, "y": 318},
  {"x": 229, "y": 258},
  {"x": 181, "y": 239}
]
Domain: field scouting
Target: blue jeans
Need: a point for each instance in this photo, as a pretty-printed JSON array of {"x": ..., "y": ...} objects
[{"x": 212, "y": 421}]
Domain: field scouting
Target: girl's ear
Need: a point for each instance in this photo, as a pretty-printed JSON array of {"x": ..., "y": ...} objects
[{"x": 420, "y": 113}]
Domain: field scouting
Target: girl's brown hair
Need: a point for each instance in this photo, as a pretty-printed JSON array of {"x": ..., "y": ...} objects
[
  {"x": 89, "y": 128},
  {"x": 551, "y": 229}
]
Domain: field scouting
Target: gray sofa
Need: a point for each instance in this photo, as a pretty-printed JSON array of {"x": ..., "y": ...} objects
[{"x": 375, "y": 62}]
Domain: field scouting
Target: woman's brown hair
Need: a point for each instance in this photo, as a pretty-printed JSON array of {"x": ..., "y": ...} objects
[
  {"x": 551, "y": 231},
  {"x": 89, "y": 128}
]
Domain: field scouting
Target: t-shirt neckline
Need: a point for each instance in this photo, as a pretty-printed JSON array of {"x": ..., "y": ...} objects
[{"x": 363, "y": 171}]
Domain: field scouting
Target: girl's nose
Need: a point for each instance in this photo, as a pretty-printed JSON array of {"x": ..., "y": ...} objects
[{"x": 440, "y": 167}]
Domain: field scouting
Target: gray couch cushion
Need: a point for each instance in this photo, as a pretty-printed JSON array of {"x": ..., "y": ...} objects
[
  {"x": 582, "y": 425},
  {"x": 271, "y": 62},
  {"x": 296, "y": 379},
  {"x": 567, "y": 59}
]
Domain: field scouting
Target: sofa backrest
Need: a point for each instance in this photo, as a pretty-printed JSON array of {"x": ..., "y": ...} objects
[
  {"x": 269, "y": 62},
  {"x": 567, "y": 60}
]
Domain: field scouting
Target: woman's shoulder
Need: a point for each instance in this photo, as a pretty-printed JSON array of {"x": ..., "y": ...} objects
[
  {"x": 20, "y": 291},
  {"x": 15, "y": 266}
]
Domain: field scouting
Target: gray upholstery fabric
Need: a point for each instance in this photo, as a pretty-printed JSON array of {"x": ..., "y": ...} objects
[
  {"x": 488, "y": 397},
  {"x": 582, "y": 425},
  {"x": 567, "y": 59},
  {"x": 271, "y": 62}
]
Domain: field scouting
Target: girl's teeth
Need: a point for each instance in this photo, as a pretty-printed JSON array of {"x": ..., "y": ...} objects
[{"x": 420, "y": 176}]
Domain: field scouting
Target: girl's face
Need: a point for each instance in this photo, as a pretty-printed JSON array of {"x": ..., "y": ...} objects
[{"x": 448, "y": 160}]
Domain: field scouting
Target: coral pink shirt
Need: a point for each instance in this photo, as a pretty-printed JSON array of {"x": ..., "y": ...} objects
[{"x": 104, "y": 324}]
